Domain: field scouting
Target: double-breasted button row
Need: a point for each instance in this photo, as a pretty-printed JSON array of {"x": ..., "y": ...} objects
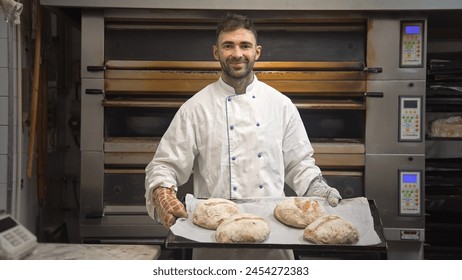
[
  {"x": 259, "y": 155},
  {"x": 232, "y": 126},
  {"x": 261, "y": 186}
]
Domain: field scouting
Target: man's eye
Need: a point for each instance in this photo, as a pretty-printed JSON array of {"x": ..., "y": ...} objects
[
  {"x": 246, "y": 46},
  {"x": 227, "y": 46}
]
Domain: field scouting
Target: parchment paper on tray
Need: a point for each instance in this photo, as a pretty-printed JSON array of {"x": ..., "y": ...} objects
[{"x": 355, "y": 210}]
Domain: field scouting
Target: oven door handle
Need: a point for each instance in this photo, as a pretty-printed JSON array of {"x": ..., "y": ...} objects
[
  {"x": 374, "y": 70},
  {"x": 94, "y": 91},
  {"x": 374, "y": 94},
  {"x": 96, "y": 68}
]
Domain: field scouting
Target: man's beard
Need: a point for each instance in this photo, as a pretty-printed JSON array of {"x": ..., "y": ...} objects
[{"x": 241, "y": 73}]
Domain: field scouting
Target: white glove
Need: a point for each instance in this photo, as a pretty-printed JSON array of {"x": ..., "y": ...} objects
[{"x": 320, "y": 188}]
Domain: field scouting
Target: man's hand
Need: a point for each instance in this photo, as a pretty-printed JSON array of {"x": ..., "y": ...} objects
[
  {"x": 168, "y": 207},
  {"x": 320, "y": 188}
]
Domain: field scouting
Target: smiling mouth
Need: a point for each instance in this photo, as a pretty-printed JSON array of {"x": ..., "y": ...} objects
[{"x": 237, "y": 64}]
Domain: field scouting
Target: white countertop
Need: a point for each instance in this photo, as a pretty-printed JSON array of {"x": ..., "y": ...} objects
[{"x": 61, "y": 251}]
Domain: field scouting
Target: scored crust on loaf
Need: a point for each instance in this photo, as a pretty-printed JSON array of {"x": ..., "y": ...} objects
[
  {"x": 242, "y": 228},
  {"x": 211, "y": 212},
  {"x": 331, "y": 229},
  {"x": 298, "y": 212}
]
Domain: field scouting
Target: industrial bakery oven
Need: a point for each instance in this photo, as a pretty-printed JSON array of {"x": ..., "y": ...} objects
[{"x": 358, "y": 81}]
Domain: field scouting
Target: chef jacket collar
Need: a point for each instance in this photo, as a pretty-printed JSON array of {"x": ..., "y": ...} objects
[{"x": 229, "y": 90}]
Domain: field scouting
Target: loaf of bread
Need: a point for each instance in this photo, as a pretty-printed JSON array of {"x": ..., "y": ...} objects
[
  {"x": 242, "y": 228},
  {"x": 446, "y": 127},
  {"x": 211, "y": 212},
  {"x": 331, "y": 229},
  {"x": 298, "y": 212}
]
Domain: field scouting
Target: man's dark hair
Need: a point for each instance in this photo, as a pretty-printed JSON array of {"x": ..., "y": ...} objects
[{"x": 231, "y": 22}]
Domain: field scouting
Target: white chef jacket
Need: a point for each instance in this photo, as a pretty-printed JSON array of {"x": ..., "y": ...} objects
[{"x": 236, "y": 145}]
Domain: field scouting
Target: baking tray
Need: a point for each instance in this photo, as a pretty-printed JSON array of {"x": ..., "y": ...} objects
[{"x": 178, "y": 242}]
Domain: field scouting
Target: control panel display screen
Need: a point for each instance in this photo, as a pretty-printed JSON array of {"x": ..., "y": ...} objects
[
  {"x": 410, "y": 104},
  {"x": 412, "y": 29},
  {"x": 409, "y": 178}
]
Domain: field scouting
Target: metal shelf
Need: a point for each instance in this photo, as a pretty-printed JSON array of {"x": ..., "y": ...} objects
[{"x": 443, "y": 180}]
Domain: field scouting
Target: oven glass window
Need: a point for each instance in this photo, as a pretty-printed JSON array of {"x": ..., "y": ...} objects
[
  {"x": 332, "y": 125},
  {"x": 137, "y": 122}
]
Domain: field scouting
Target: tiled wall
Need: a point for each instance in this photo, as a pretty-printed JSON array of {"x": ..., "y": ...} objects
[
  {"x": 5, "y": 77},
  {"x": 3, "y": 110}
]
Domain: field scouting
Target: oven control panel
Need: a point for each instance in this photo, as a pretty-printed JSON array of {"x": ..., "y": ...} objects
[
  {"x": 410, "y": 119},
  {"x": 410, "y": 193},
  {"x": 412, "y": 42}
]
